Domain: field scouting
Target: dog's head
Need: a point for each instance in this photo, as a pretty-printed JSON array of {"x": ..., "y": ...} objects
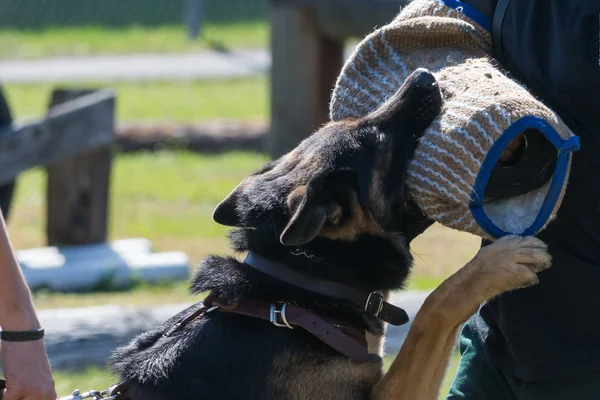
[{"x": 343, "y": 181}]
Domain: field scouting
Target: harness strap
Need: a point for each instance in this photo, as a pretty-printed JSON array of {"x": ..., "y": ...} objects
[
  {"x": 193, "y": 313},
  {"x": 348, "y": 340},
  {"x": 339, "y": 335}
]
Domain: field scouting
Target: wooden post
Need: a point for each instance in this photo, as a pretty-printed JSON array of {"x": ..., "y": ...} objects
[
  {"x": 305, "y": 65},
  {"x": 78, "y": 189}
]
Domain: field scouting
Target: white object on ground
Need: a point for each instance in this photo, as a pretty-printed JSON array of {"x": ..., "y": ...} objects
[
  {"x": 118, "y": 264},
  {"x": 411, "y": 302},
  {"x": 134, "y": 245}
]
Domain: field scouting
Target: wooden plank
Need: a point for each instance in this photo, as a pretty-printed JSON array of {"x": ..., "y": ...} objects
[
  {"x": 206, "y": 137},
  {"x": 305, "y": 66},
  {"x": 78, "y": 188},
  {"x": 77, "y": 199},
  {"x": 307, "y": 40},
  {"x": 64, "y": 132}
]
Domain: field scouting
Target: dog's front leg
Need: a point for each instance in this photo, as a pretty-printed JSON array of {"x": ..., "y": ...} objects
[
  {"x": 440, "y": 371},
  {"x": 418, "y": 370}
]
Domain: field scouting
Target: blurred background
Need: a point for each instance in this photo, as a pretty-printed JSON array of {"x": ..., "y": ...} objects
[{"x": 123, "y": 123}]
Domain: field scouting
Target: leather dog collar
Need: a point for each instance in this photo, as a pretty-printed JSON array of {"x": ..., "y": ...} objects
[{"x": 372, "y": 303}]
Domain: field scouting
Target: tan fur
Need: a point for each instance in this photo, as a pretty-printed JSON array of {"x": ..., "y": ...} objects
[
  {"x": 347, "y": 379},
  {"x": 379, "y": 202},
  {"x": 295, "y": 197},
  {"x": 361, "y": 222}
]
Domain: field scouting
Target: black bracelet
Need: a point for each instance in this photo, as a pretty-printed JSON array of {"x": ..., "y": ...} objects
[{"x": 22, "y": 336}]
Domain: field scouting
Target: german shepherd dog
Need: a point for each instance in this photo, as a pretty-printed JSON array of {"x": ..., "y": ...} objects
[{"x": 324, "y": 226}]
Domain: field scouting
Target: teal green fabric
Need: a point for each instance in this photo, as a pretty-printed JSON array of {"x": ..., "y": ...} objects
[{"x": 478, "y": 379}]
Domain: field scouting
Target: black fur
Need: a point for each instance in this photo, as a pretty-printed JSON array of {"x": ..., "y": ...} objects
[{"x": 233, "y": 357}]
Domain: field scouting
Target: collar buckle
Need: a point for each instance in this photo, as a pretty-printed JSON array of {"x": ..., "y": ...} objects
[
  {"x": 374, "y": 304},
  {"x": 274, "y": 312}
]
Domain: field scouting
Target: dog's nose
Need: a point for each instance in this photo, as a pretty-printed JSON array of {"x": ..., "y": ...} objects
[{"x": 422, "y": 78}]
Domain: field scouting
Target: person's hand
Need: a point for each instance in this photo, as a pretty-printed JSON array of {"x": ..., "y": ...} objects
[{"x": 27, "y": 371}]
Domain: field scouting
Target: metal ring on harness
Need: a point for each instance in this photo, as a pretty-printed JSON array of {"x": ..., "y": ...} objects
[{"x": 273, "y": 316}]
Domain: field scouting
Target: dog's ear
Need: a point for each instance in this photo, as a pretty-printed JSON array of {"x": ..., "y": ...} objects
[
  {"x": 226, "y": 211},
  {"x": 326, "y": 201}
]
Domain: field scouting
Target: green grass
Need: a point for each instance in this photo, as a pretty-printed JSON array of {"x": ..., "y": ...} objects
[
  {"x": 92, "y": 41},
  {"x": 420, "y": 282},
  {"x": 142, "y": 295},
  {"x": 166, "y": 197},
  {"x": 184, "y": 101},
  {"x": 181, "y": 205},
  {"x": 90, "y": 378},
  {"x": 166, "y": 194}
]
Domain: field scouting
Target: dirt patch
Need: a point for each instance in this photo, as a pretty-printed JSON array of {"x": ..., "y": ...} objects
[{"x": 205, "y": 137}]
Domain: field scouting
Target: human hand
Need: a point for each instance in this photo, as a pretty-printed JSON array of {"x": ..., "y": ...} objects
[{"x": 27, "y": 371}]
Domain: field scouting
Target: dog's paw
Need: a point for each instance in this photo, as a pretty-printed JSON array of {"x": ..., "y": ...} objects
[{"x": 510, "y": 263}]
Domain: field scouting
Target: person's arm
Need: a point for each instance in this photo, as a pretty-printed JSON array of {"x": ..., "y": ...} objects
[
  {"x": 25, "y": 364},
  {"x": 16, "y": 307}
]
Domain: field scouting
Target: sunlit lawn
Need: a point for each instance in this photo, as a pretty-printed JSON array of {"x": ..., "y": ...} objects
[{"x": 180, "y": 101}]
